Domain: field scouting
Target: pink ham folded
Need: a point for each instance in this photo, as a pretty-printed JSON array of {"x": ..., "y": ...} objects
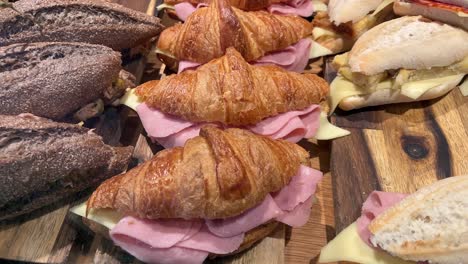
[
  {"x": 190, "y": 241},
  {"x": 170, "y": 131},
  {"x": 293, "y": 58},
  {"x": 376, "y": 203}
]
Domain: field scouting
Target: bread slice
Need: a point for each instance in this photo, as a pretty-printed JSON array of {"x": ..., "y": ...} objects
[
  {"x": 433, "y": 10},
  {"x": 411, "y": 42},
  {"x": 431, "y": 224}
]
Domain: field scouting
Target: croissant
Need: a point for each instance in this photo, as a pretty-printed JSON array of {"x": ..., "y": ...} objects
[
  {"x": 208, "y": 32},
  {"x": 219, "y": 174},
  {"x": 248, "y": 5},
  {"x": 233, "y": 92}
]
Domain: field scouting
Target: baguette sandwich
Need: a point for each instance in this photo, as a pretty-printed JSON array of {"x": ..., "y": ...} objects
[
  {"x": 96, "y": 22},
  {"x": 403, "y": 60},
  {"x": 259, "y": 36},
  {"x": 42, "y": 161},
  {"x": 56, "y": 79},
  {"x": 337, "y": 29},
  {"x": 217, "y": 195},
  {"x": 453, "y": 12},
  {"x": 428, "y": 226},
  {"x": 229, "y": 92}
]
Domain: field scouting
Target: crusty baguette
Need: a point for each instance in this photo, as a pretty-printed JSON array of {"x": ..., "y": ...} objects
[
  {"x": 457, "y": 16},
  {"x": 54, "y": 79},
  {"x": 392, "y": 96},
  {"x": 429, "y": 225},
  {"x": 42, "y": 161},
  {"x": 231, "y": 91},
  {"x": 88, "y": 21},
  {"x": 411, "y": 42},
  {"x": 219, "y": 174}
]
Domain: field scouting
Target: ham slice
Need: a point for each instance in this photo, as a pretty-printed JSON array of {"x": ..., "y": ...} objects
[
  {"x": 190, "y": 241},
  {"x": 376, "y": 203},
  {"x": 170, "y": 131},
  {"x": 293, "y": 58}
]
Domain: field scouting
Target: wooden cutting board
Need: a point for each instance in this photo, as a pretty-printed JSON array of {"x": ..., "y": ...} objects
[{"x": 397, "y": 148}]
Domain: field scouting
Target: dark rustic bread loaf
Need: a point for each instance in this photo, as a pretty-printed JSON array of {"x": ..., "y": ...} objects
[
  {"x": 96, "y": 22},
  {"x": 54, "y": 79},
  {"x": 42, "y": 161}
]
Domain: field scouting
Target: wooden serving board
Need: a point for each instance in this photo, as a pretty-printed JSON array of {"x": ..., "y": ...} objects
[{"x": 397, "y": 148}]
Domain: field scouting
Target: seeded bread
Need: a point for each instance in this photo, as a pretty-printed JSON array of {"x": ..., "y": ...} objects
[
  {"x": 42, "y": 161},
  {"x": 96, "y": 22}
]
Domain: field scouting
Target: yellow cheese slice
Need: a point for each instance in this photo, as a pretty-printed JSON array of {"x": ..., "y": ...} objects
[
  {"x": 130, "y": 99},
  {"x": 462, "y": 14},
  {"x": 318, "y": 32},
  {"x": 318, "y": 50},
  {"x": 106, "y": 217},
  {"x": 164, "y": 53},
  {"x": 348, "y": 246},
  {"x": 164, "y": 6},
  {"x": 464, "y": 88},
  {"x": 415, "y": 89},
  {"x": 319, "y": 6},
  {"x": 328, "y": 131},
  {"x": 383, "y": 5}
]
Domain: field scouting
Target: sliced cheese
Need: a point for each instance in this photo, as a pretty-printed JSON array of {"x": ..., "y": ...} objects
[
  {"x": 382, "y": 6},
  {"x": 319, "y": 6},
  {"x": 319, "y": 32},
  {"x": 130, "y": 99},
  {"x": 416, "y": 89},
  {"x": 348, "y": 246},
  {"x": 164, "y": 53},
  {"x": 462, "y": 14},
  {"x": 106, "y": 217},
  {"x": 318, "y": 50},
  {"x": 464, "y": 88},
  {"x": 329, "y": 131},
  {"x": 164, "y": 6}
]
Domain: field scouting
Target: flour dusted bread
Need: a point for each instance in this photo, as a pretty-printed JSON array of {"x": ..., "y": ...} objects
[
  {"x": 430, "y": 224},
  {"x": 411, "y": 42}
]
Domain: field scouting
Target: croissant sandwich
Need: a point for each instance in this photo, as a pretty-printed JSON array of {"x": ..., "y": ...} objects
[
  {"x": 181, "y": 9},
  {"x": 230, "y": 92},
  {"x": 89, "y": 21},
  {"x": 259, "y": 36},
  {"x": 54, "y": 80},
  {"x": 398, "y": 61},
  {"x": 42, "y": 161},
  {"x": 428, "y": 226},
  {"x": 205, "y": 198},
  {"x": 336, "y": 31}
]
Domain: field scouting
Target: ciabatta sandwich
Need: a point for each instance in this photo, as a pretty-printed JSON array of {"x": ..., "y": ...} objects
[
  {"x": 428, "y": 226},
  {"x": 56, "y": 79},
  {"x": 42, "y": 161},
  {"x": 403, "y": 60},
  {"x": 453, "y": 12},
  {"x": 96, "y": 22},
  {"x": 213, "y": 196}
]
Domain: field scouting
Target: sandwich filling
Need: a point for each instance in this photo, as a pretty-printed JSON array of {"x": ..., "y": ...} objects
[
  {"x": 191, "y": 241},
  {"x": 410, "y": 83}
]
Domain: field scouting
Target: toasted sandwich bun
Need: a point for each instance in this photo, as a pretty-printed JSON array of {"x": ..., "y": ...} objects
[
  {"x": 390, "y": 96},
  {"x": 429, "y": 225},
  {"x": 410, "y": 42},
  {"x": 454, "y": 14}
]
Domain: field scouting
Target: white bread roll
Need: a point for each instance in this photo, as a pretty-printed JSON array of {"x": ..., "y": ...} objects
[
  {"x": 342, "y": 11},
  {"x": 409, "y": 43},
  {"x": 449, "y": 16},
  {"x": 392, "y": 96},
  {"x": 431, "y": 224}
]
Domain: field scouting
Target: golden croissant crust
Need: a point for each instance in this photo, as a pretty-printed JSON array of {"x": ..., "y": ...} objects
[
  {"x": 233, "y": 92},
  {"x": 248, "y": 5},
  {"x": 208, "y": 32},
  {"x": 219, "y": 174}
]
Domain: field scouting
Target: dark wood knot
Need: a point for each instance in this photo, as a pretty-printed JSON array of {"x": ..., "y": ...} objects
[{"x": 415, "y": 146}]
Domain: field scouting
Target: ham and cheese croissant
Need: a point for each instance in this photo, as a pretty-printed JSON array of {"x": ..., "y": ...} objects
[
  {"x": 233, "y": 92},
  {"x": 248, "y": 5},
  {"x": 208, "y": 32},
  {"x": 218, "y": 174}
]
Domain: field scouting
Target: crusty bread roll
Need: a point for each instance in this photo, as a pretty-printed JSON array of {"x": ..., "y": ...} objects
[
  {"x": 429, "y": 225},
  {"x": 392, "y": 96},
  {"x": 431, "y": 9},
  {"x": 411, "y": 42}
]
